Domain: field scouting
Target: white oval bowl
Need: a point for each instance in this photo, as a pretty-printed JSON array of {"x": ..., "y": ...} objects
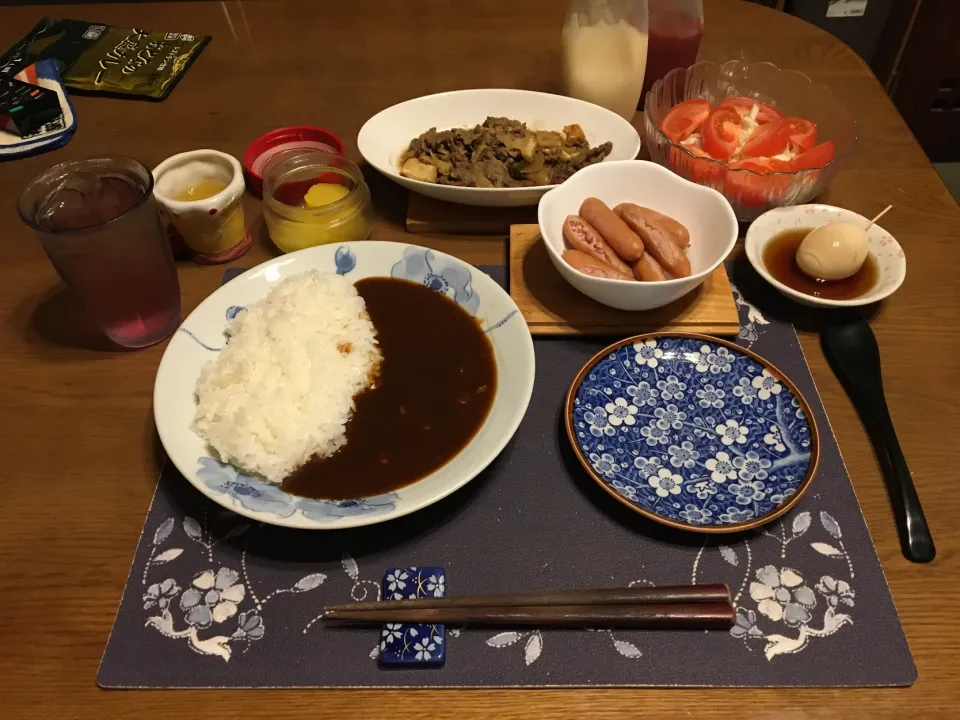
[
  {"x": 705, "y": 213},
  {"x": 891, "y": 262},
  {"x": 201, "y": 335},
  {"x": 386, "y": 136}
]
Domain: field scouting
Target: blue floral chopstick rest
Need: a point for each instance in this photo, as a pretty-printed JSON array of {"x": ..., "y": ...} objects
[{"x": 413, "y": 645}]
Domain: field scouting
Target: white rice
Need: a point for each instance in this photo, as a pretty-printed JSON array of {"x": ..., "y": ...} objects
[{"x": 282, "y": 388}]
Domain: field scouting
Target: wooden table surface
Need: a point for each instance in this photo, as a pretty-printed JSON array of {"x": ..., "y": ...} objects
[{"x": 76, "y": 421}]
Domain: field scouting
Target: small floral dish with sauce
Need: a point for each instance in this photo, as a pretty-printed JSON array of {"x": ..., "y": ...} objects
[
  {"x": 692, "y": 432},
  {"x": 772, "y": 242},
  {"x": 411, "y": 438}
]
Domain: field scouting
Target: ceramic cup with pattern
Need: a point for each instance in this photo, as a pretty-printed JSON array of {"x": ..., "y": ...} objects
[{"x": 200, "y": 196}]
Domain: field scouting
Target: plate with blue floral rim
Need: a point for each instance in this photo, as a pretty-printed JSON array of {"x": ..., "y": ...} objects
[
  {"x": 201, "y": 336},
  {"x": 692, "y": 432}
]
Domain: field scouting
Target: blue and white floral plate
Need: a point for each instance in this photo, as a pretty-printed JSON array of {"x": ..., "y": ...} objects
[
  {"x": 692, "y": 432},
  {"x": 201, "y": 335}
]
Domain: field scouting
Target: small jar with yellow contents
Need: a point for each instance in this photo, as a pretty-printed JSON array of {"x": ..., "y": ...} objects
[{"x": 315, "y": 198}]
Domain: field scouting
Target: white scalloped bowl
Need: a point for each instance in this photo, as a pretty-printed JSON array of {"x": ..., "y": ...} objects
[
  {"x": 705, "y": 213},
  {"x": 891, "y": 261}
]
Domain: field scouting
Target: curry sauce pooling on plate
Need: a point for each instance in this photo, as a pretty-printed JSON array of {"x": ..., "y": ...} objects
[{"x": 435, "y": 388}]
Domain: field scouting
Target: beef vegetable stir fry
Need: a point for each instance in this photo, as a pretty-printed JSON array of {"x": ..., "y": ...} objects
[{"x": 499, "y": 153}]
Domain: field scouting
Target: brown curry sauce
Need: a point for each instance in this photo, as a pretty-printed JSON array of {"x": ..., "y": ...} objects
[{"x": 434, "y": 391}]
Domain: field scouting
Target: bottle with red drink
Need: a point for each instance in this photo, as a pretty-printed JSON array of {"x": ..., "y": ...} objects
[{"x": 675, "y": 28}]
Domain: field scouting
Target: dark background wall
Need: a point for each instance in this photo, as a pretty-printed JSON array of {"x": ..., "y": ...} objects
[{"x": 863, "y": 34}]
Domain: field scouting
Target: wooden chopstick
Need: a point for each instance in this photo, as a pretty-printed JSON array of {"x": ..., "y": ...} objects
[
  {"x": 677, "y": 616},
  {"x": 596, "y": 597}
]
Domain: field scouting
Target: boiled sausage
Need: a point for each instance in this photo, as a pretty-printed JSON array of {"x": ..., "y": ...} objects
[
  {"x": 589, "y": 265},
  {"x": 647, "y": 269},
  {"x": 584, "y": 238},
  {"x": 678, "y": 231},
  {"x": 658, "y": 242},
  {"x": 621, "y": 238}
]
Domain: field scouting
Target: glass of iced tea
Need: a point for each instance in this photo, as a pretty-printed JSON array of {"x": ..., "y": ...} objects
[{"x": 98, "y": 223}]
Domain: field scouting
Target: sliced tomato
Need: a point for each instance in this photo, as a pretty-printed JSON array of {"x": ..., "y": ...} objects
[
  {"x": 702, "y": 169},
  {"x": 759, "y": 187},
  {"x": 762, "y": 165},
  {"x": 743, "y": 105},
  {"x": 684, "y": 119},
  {"x": 803, "y": 132},
  {"x": 721, "y": 131},
  {"x": 815, "y": 157},
  {"x": 766, "y": 140}
]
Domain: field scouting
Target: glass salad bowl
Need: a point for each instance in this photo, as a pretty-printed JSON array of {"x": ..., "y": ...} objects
[{"x": 751, "y": 192}]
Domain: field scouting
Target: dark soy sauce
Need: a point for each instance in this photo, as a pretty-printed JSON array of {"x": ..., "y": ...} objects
[{"x": 780, "y": 259}]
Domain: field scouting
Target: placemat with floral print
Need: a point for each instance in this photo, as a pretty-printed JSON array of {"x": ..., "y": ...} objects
[{"x": 215, "y": 601}]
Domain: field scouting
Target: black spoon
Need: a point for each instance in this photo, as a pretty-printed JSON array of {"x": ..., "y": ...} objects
[{"x": 852, "y": 350}]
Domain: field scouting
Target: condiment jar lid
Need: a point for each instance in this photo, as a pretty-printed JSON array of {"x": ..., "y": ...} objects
[{"x": 268, "y": 146}]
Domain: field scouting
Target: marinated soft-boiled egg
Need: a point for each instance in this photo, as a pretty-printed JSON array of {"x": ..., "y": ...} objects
[{"x": 833, "y": 251}]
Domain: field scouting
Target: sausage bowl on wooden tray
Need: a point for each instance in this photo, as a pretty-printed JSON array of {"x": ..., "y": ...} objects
[{"x": 634, "y": 236}]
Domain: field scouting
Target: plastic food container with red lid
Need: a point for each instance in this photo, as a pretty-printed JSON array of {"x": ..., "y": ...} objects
[
  {"x": 293, "y": 221},
  {"x": 268, "y": 147}
]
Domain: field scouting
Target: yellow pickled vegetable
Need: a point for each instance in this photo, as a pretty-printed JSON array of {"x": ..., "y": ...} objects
[
  {"x": 318, "y": 221},
  {"x": 324, "y": 194}
]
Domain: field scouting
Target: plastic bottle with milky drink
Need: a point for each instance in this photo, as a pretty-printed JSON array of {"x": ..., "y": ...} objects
[{"x": 605, "y": 52}]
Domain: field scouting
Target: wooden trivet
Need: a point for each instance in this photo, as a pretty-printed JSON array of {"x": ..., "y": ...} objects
[
  {"x": 426, "y": 214},
  {"x": 552, "y": 306}
]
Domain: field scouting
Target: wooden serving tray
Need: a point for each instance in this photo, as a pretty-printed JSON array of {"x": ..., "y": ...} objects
[
  {"x": 426, "y": 214},
  {"x": 551, "y": 306}
]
